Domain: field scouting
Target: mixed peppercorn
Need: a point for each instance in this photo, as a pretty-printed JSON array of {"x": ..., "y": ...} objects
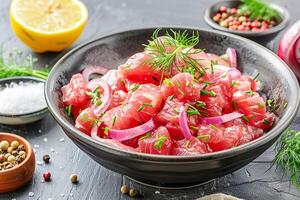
[
  {"x": 11, "y": 154},
  {"x": 130, "y": 191},
  {"x": 236, "y": 19}
]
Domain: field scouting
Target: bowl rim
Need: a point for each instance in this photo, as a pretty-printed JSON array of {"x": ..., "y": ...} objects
[
  {"x": 28, "y": 114},
  {"x": 29, "y": 152},
  {"x": 284, "y": 14},
  {"x": 283, "y": 123}
]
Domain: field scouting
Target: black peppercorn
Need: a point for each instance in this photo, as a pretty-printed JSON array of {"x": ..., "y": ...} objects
[
  {"x": 46, "y": 158},
  {"x": 133, "y": 193}
]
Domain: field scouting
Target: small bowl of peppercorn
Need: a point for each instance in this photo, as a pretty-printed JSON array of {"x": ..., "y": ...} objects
[
  {"x": 248, "y": 18},
  {"x": 17, "y": 162}
]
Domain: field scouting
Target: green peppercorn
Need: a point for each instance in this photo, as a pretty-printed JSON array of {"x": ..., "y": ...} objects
[
  {"x": 14, "y": 144},
  {"x": 46, "y": 158},
  {"x": 22, "y": 153},
  {"x": 73, "y": 178},
  {"x": 4, "y": 145},
  {"x": 133, "y": 192},
  {"x": 124, "y": 189},
  {"x": 10, "y": 150},
  {"x": 11, "y": 158},
  {"x": 7, "y": 155}
]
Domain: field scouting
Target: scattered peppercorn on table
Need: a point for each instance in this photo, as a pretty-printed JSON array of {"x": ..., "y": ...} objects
[{"x": 64, "y": 172}]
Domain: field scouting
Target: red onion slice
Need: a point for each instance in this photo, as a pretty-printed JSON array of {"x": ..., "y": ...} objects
[
  {"x": 221, "y": 119},
  {"x": 297, "y": 50},
  {"x": 111, "y": 77},
  {"x": 288, "y": 48},
  {"x": 106, "y": 96},
  {"x": 88, "y": 71},
  {"x": 94, "y": 133},
  {"x": 123, "y": 135},
  {"x": 232, "y": 57},
  {"x": 183, "y": 123},
  {"x": 110, "y": 142},
  {"x": 234, "y": 73},
  {"x": 222, "y": 68}
]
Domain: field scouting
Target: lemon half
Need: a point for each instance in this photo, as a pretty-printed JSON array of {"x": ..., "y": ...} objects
[{"x": 48, "y": 25}]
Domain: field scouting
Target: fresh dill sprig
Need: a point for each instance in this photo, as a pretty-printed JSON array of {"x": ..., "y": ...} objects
[
  {"x": 192, "y": 111},
  {"x": 259, "y": 10},
  {"x": 201, "y": 104},
  {"x": 207, "y": 93},
  {"x": 174, "y": 49},
  {"x": 256, "y": 76},
  {"x": 68, "y": 110},
  {"x": 114, "y": 120},
  {"x": 12, "y": 65},
  {"x": 160, "y": 141},
  {"x": 288, "y": 155},
  {"x": 95, "y": 96},
  {"x": 250, "y": 92},
  {"x": 134, "y": 87},
  {"x": 270, "y": 103}
]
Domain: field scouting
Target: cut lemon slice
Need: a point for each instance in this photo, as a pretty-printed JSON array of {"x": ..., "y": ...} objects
[{"x": 48, "y": 25}]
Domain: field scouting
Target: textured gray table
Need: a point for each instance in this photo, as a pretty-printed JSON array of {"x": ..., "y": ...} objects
[{"x": 254, "y": 181}]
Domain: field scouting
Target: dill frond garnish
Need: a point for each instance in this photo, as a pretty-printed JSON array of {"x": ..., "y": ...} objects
[{"x": 174, "y": 50}]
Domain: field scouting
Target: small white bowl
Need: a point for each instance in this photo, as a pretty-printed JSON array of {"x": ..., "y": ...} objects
[{"x": 18, "y": 119}]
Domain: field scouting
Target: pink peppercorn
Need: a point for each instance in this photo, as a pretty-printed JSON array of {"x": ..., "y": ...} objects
[
  {"x": 47, "y": 176},
  {"x": 223, "y": 9},
  {"x": 233, "y": 10}
]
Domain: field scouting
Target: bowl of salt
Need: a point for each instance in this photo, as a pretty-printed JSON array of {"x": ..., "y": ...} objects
[{"x": 22, "y": 100}]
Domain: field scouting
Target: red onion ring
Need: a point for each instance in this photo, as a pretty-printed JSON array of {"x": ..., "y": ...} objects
[
  {"x": 111, "y": 77},
  {"x": 287, "y": 49},
  {"x": 222, "y": 68},
  {"x": 183, "y": 122},
  {"x": 234, "y": 73},
  {"x": 123, "y": 135},
  {"x": 106, "y": 98},
  {"x": 232, "y": 57},
  {"x": 110, "y": 142},
  {"x": 221, "y": 119},
  {"x": 88, "y": 71},
  {"x": 94, "y": 133},
  {"x": 297, "y": 50}
]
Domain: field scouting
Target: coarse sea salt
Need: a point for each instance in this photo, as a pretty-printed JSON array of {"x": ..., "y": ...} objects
[{"x": 22, "y": 97}]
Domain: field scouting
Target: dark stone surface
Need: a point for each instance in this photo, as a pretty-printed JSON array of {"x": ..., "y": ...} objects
[{"x": 255, "y": 181}]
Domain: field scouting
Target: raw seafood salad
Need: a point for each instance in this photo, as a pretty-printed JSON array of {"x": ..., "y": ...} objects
[{"x": 172, "y": 99}]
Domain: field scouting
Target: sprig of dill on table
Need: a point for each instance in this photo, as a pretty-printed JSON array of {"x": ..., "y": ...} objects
[
  {"x": 12, "y": 64},
  {"x": 259, "y": 10},
  {"x": 174, "y": 49},
  {"x": 288, "y": 155}
]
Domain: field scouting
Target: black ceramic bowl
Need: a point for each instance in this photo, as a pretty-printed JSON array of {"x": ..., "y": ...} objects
[
  {"x": 213, "y": 9},
  {"x": 112, "y": 50}
]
